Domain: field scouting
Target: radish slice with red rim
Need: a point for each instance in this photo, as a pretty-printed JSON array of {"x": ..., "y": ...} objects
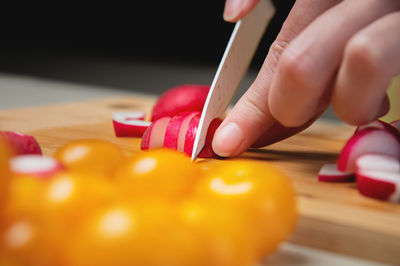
[
  {"x": 172, "y": 132},
  {"x": 330, "y": 173},
  {"x": 21, "y": 143},
  {"x": 368, "y": 140},
  {"x": 377, "y": 184},
  {"x": 130, "y": 128},
  {"x": 191, "y": 134},
  {"x": 380, "y": 125},
  {"x": 35, "y": 165},
  {"x": 129, "y": 124},
  {"x": 158, "y": 132},
  {"x": 183, "y": 131},
  {"x": 207, "y": 151}
]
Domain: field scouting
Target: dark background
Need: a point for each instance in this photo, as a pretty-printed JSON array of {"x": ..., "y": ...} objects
[{"x": 61, "y": 39}]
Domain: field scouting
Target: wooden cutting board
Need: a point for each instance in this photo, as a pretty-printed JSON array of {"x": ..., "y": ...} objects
[{"x": 333, "y": 217}]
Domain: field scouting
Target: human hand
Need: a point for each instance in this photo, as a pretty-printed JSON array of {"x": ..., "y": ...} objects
[{"x": 335, "y": 52}]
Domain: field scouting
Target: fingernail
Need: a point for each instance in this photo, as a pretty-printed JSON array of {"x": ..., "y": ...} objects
[
  {"x": 231, "y": 9},
  {"x": 227, "y": 140}
]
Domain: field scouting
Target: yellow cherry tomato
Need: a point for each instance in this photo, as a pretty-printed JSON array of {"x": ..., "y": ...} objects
[
  {"x": 25, "y": 197},
  {"x": 122, "y": 234},
  {"x": 5, "y": 155},
  {"x": 223, "y": 235},
  {"x": 257, "y": 190},
  {"x": 24, "y": 242},
  {"x": 165, "y": 173},
  {"x": 69, "y": 196},
  {"x": 91, "y": 155}
]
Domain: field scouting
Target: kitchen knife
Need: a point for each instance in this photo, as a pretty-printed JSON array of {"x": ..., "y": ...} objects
[{"x": 238, "y": 53}]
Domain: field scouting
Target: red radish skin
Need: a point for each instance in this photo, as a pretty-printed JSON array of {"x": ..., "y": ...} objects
[
  {"x": 35, "y": 165},
  {"x": 129, "y": 124},
  {"x": 330, "y": 173},
  {"x": 130, "y": 128},
  {"x": 381, "y": 125},
  {"x": 183, "y": 131},
  {"x": 172, "y": 132},
  {"x": 368, "y": 140},
  {"x": 184, "y": 98},
  {"x": 22, "y": 143},
  {"x": 379, "y": 184},
  {"x": 145, "y": 144},
  {"x": 378, "y": 162},
  {"x": 180, "y": 133},
  {"x": 207, "y": 151}
]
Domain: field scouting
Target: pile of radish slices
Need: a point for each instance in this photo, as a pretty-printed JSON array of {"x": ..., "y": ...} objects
[
  {"x": 371, "y": 157},
  {"x": 174, "y": 121}
]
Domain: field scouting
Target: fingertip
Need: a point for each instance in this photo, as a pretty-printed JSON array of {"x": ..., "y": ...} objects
[
  {"x": 231, "y": 10},
  {"x": 228, "y": 139}
]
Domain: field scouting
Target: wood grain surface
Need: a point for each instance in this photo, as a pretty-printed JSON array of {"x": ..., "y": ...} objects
[{"x": 332, "y": 216}]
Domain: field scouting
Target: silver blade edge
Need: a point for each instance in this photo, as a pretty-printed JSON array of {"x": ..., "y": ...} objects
[{"x": 245, "y": 37}]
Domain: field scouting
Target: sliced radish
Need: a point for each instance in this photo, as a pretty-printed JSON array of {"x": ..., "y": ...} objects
[
  {"x": 377, "y": 184},
  {"x": 184, "y": 98},
  {"x": 378, "y": 176},
  {"x": 154, "y": 135},
  {"x": 381, "y": 125},
  {"x": 129, "y": 124},
  {"x": 378, "y": 162},
  {"x": 191, "y": 134},
  {"x": 330, "y": 173},
  {"x": 22, "y": 143},
  {"x": 172, "y": 132},
  {"x": 207, "y": 151},
  {"x": 368, "y": 140},
  {"x": 36, "y": 165},
  {"x": 183, "y": 131},
  {"x": 145, "y": 144}
]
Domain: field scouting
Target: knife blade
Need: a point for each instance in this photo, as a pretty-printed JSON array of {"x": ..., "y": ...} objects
[{"x": 235, "y": 61}]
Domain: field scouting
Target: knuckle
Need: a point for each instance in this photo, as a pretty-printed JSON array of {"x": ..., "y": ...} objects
[
  {"x": 361, "y": 57},
  {"x": 256, "y": 106},
  {"x": 296, "y": 68}
]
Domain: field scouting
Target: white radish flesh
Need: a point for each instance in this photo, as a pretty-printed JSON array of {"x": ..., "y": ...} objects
[
  {"x": 158, "y": 132},
  {"x": 378, "y": 162},
  {"x": 35, "y": 165},
  {"x": 330, "y": 173}
]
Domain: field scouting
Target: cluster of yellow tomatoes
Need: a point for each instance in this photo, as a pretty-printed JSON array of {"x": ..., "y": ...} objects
[{"x": 150, "y": 208}]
